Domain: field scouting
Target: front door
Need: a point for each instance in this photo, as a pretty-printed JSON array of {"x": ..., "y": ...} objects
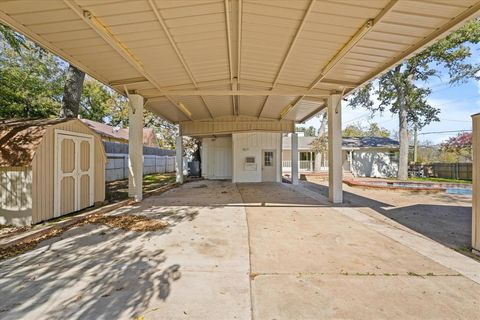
[
  {"x": 268, "y": 165},
  {"x": 73, "y": 172}
]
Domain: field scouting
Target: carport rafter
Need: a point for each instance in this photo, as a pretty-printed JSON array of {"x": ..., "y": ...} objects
[
  {"x": 121, "y": 49},
  {"x": 467, "y": 14},
  {"x": 339, "y": 55},
  {"x": 175, "y": 48},
  {"x": 289, "y": 51},
  {"x": 282, "y": 93}
]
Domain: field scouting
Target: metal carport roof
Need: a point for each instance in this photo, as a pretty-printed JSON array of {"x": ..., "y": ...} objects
[{"x": 204, "y": 59}]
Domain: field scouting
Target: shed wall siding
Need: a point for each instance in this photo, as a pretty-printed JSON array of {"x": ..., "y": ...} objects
[
  {"x": 217, "y": 158},
  {"x": 43, "y": 171},
  {"x": 251, "y": 145},
  {"x": 16, "y": 196}
]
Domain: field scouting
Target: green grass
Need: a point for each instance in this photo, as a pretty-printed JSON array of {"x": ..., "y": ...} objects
[
  {"x": 440, "y": 180},
  {"x": 118, "y": 190}
]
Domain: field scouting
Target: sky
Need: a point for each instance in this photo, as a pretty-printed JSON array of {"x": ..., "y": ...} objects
[{"x": 456, "y": 103}]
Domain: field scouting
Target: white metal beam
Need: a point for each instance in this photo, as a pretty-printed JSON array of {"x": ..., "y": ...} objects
[
  {"x": 289, "y": 51},
  {"x": 429, "y": 40},
  {"x": 283, "y": 93},
  {"x": 175, "y": 48},
  {"x": 122, "y": 82},
  {"x": 115, "y": 44},
  {"x": 339, "y": 55},
  {"x": 229, "y": 47}
]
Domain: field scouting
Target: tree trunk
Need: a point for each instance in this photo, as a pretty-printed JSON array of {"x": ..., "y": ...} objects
[
  {"x": 403, "y": 136},
  {"x": 323, "y": 125},
  {"x": 72, "y": 92}
]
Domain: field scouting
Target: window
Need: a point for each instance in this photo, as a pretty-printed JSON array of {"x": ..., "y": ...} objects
[{"x": 268, "y": 159}]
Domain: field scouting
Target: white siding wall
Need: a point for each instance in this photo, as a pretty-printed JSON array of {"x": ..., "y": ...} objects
[
  {"x": 217, "y": 158},
  {"x": 373, "y": 163},
  {"x": 16, "y": 196},
  {"x": 251, "y": 145}
]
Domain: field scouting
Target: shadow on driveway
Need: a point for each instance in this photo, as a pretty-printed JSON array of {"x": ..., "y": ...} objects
[
  {"x": 448, "y": 224},
  {"x": 90, "y": 272}
]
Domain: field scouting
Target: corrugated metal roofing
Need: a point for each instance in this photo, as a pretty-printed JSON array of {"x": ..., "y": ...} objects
[{"x": 235, "y": 57}]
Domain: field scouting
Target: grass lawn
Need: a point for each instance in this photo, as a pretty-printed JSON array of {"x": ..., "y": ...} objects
[
  {"x": 440, "y": 180},
  {"x": 118, "y": 190}
]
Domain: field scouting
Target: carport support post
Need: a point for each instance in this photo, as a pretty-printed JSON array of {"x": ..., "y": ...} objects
[
  {"x": 179, "y": 157},
  {"x": 135, "y": 147},
  {"x": 476, "y": 182},
  {"x": 335, "y": 172},
  {"x": 294, "y": 158}
]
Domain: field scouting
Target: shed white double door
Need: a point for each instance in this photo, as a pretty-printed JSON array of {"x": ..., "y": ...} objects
[{"x": 74, "y": 174}]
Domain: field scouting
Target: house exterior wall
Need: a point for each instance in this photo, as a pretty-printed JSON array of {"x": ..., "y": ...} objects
[
  {"x": 251, "y": 145},
  {"x": 43, "y": 170},
  {"x": 217, "y": 158},
  {"x": 373, "y": 163},
  {"x": 16, "y": 196}
]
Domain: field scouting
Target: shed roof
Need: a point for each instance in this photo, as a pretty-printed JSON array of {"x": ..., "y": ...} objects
[
  {"x": 19, "y": 139},
  {"x": 304, "y": 143},
  {"x": 204, "y": 59}
]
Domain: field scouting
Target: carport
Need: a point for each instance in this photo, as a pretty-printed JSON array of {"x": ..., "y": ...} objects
[{"x": 237, "y": 66}]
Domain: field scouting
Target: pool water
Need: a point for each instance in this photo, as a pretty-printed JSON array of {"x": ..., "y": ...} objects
[{"x": 461, "y": 191}]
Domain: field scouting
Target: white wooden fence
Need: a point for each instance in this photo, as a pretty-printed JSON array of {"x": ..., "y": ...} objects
[{"x": 117, "y": 165}]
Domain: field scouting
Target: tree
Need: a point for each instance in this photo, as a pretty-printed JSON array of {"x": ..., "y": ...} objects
[
  {"x": 30, "y": 78},
  {"x": 308, "y": 132},
  {"x": 357, "y": 130},
  {"x": 460, "y": 146},
  {"x": 401, "y": 89},
  {"x": 11, "y": 38},
  {"x": 98, "y": 101},
  {"x": 72, "y": 92}
]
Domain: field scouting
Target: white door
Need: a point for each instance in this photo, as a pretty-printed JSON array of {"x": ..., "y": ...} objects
[
  {"x": 74, "y": 172},
  {"x": 268, "y": 165}
]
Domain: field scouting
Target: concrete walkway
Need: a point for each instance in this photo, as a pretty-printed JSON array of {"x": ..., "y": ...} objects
[{"x": 261, "y": 251}]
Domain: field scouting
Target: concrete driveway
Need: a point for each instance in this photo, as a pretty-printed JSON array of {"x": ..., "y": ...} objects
[{"x": 261, "y": 251}]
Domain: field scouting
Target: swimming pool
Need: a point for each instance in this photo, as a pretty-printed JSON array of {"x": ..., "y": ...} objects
[
  {"x": 461, "y": 191},
  {"x": 450, "y": 188}
]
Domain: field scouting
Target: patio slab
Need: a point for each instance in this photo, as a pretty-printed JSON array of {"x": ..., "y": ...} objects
[{"x": 239, "y": 251}]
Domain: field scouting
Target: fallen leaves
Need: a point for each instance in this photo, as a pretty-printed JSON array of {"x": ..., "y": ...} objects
[{"x": 126, "y": 222}]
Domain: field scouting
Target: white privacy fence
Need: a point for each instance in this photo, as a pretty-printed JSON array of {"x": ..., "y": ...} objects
[
  {"x": 155, "y": 160},
  {"x": 117, "y": 165}
]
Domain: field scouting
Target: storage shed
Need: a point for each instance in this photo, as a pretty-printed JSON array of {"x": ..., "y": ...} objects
[{"x": 48, "y": 168}]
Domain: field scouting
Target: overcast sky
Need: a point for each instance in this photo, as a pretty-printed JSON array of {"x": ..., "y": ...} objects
[{"x": 456, "y": 104}]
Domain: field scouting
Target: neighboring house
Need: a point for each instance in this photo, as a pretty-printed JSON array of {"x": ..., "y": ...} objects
[
  {"x": 120, "y": 135},
  {"x": 363, "y": 157},
  {"x": 115, "y": 140}
]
